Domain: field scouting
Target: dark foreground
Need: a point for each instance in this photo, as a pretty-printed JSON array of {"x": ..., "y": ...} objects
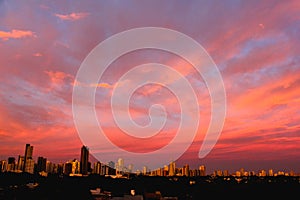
[{"x": 14, "y": 186}]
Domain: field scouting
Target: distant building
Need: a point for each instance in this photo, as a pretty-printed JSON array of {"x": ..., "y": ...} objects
[
  {"x": 60, "y": 168},
  {"x": 97, "y": 168},
  {"x": 67, "y": 169},
  {"x": 262, "y": 173},
  {"x": 3, "y": 166},
  {"x": 271, "y": 173},
  {"x": 76, "y": 167},
  {"x": 49, "y": 167},
  {"x": 186, "y": 170},
  {"x": 111, "y": 164},
  {"x": 130, "y": 168},
  {"x": 120, "y": 166},
  {"x": 172, "y": 169},
  {"x": 11, "y": 164},
  {"x": 20, "y": 163},
  {"x": 202, "y": 170},
  {"x": 29, "y": 166},
  {"x": 27, "y": 156},
  {"x": 242, "y": 172},
  {"x": 11, "y": 160},
  {"x": 84, "y": 160},
  {"x": 145, "y": 170},
  {"x": 104, "y": 170},
  {"x": 226, "y": 172},
  {"x": 41, "y": 164}
]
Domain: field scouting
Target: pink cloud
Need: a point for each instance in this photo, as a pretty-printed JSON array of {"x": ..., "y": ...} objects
[
  {"x": 260, "y": 58},
  {"x": 16, "y": 34},
  {"x": 284, "y": 90},
  {"x": 72, "y": 16},
  {"x": 58, "y": 77},
  {"x": 261, "y": 26},
  {"x": 37, "y": 54}
]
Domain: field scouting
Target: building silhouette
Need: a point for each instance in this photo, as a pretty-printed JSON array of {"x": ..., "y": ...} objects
[
  {"x": 84, "y": 160},
  {"x": 97, "y": 168},
  {"x": 41, "y": 164}
]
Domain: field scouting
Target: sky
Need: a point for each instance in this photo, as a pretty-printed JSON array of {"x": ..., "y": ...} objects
[{"x": 254, "y": 44}]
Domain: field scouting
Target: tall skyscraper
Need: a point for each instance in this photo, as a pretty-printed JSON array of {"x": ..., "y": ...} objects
[
  {"x": 11, "y": 163},
  {"x": 3, "y": 166},
  {"x": 186, "y": 170},
  {"x": 145, "y": 170},
  {"x": 120, "y": 166},
  {"x": 97, "y": 168},
  {"x": 41, "y": 164},
  {"x": 84, "y": 160},
  {"x": 28, "y": 155},
  {"x": 172, "y": 169},
  {"x": 29, "y": 166},
  {"x": 20, "y": 163}
]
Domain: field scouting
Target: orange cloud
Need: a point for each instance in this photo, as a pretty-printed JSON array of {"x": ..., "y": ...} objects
[
  {"x": 16, "y": 34},
  {"x": 72, "y": 16},
  {"x": 96, "y": 85},
  {"x": 58, "y": 77},
  {"x": 102, "y": 85},
  {"x": 282, "y": 91}
]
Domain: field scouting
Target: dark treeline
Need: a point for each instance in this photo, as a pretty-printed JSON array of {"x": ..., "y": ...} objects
[{"x": 13, "y": 186}]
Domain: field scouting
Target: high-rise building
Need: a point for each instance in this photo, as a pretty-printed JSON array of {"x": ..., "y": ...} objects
[
  {"x": 11, "y": 164},
  {"x": 130, "y": 168},
  {"x": 41, "y": 164},
  {"x": 186, "y": 170},
  {"x": 49, "y": 166},
  {"x": 29, "y": 166},
  {"x": 172, "y": 169},
  {"x": 120, "y": 166},
  {"x": 20, "y": 163},
  {"x": 3, "y": 166},
  {"x": 60, "y": 168},
  {"x": 68, "y": 168},
  {"x": 145, "y": 170},
  {"x": 104, "y": 169},
  {"x": 226, "y": 172},
  {"x": 202, "y": 169},
  {"x": 11, "y": 160},
  {"x": 76, "y": 167},
  {"x": 84, "y": 160},
  {"x": 97, "y": 168},
  {"x": 271, "y": 173},
  {"x": 28, "y": 155},
  {"x": 242, "y": 170}
]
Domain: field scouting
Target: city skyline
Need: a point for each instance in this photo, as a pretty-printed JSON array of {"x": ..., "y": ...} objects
[
  {"x": 84, "y": 166},
  {"x": 254, "y": 44}
]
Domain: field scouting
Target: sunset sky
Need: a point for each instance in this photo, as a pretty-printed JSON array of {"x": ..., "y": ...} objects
[{"x": 254, "y": 44}]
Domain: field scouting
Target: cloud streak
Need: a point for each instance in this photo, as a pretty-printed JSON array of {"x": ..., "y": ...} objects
[
  {"x": 16, "y": 34},
  {"x": 72, "y": 16}
]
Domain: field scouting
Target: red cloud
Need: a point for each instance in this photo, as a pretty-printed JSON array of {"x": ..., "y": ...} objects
[
  {"x": 16, "y": 34},
  {"x": 72, "y": 16}
]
